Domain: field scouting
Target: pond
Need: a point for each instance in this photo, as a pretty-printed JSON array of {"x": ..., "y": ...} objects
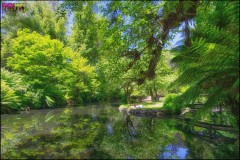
[{"x": 100, "y": 132}]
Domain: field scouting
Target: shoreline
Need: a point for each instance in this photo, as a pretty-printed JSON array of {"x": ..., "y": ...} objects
[{"x": 145, "y": 112}]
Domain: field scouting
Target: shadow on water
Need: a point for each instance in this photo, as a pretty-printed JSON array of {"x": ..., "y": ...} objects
[{"x": 100, "y": 132}]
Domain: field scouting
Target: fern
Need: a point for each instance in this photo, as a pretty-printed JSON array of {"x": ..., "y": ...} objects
[
  {"x": 210, "y": 66},
  {"x": 50, "y": 102},
  {"x": 8, "y": 97}
]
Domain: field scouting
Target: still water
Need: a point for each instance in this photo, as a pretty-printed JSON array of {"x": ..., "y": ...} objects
[{"x": 100, "y": 132}]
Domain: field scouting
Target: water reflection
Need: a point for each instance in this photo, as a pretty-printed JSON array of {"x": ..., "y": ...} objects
[
  {"x": 97, "y": 132},
  {"x": 130, "y": 128},
  {"x": 109, "y": 128},
  {"x": 173, "y": 152},
  {"x": 93, "y": 113}
]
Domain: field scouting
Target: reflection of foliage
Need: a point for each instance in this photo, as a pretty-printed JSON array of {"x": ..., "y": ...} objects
[
  {"x": 137, "y": 147},
  {"x": 72, "y": 135},
  {"x": 199, "y": 149},
  {"x": 18, "y": 132},
  {"x": 49, "y": 116}
]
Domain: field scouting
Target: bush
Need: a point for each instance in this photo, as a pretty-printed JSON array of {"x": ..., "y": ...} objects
[
  {"x": 16, "y": 93},
  {"x": 171, "y": 105},
  {"x": 8, "y": 97}
]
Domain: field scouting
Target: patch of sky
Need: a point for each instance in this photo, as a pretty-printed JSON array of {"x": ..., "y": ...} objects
[
  {"x": 69, "y": 23},
  {"x": 178, "y": 35},
  {"x": 100, "y": 7},
  {"x": 156, "y": 2}
]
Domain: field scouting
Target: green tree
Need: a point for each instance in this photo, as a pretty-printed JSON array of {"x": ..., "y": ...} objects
[
  {"x": 137, "y": 34},
  {"x": 145, "y": 29},
  {"x": 50, "y": 69},
  {"x": 165, "y": 74},
  {"x": 87, "y": 30},
  {"x": 37, "y": 16}
]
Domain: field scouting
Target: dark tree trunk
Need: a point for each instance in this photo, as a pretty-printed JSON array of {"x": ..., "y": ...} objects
[
  {"x": 155, "y": 93},
  {"x": 151, "y": 94},
  {"x": 234, "y": 107}
]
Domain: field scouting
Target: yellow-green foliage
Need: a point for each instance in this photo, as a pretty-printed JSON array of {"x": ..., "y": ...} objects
[
  {"x": 8, "y": 96},
  {"x": 50, "y": 68}
]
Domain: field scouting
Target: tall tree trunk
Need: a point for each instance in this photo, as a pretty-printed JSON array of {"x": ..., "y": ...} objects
[
  {"x": 155, "y": 93},
  {"x": 128, "y": 90},
  {"x": 221, "y": 120}
]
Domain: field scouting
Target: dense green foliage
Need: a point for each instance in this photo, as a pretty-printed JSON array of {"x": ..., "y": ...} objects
[
  {"x": 120, "y": 50},
  {"x": 210, "y": 66},
  {"x": 66, "y": 53},
  {"x": 50, "y": 70},
  {"x": 171, "y": 105},
  {"x": 8, "y": 96},
  {"x": 40, "y": 17},
  {"x": 14, "y": 91}
]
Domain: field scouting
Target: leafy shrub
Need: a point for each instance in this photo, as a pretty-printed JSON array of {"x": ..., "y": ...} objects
[
  {"x": 15, "y": 85},
  {"x": 50, "y": 69},
  {"x": 49, "y": 101},
  {"x": 8, "y": 97},
  {"x": 171, "y": 105}
]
